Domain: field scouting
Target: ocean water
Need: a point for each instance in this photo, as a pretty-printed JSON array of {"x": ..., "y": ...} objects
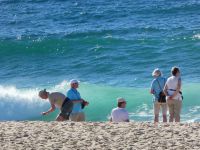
[{"x": 111, "y": 46}]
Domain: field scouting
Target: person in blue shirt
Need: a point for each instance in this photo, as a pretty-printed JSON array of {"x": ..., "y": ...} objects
[
  {"x": 157, "y": 86},
  {"x": 77, "y": 113}
]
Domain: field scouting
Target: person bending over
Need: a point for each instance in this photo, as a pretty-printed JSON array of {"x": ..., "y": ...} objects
[{"x": 57, "y": 100}]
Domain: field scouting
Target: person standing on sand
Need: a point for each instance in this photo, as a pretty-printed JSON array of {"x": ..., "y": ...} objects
[
  {"x": 173, "y": 92},
  {"x": 157, "y": 86},
  {"x": 120, "y": 114},
  {"x": 73, "y": 94},
  {"x": 60, "y": 101}
]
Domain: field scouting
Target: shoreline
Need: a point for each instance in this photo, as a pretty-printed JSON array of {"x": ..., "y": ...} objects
[{"x": 98, "y": 135}]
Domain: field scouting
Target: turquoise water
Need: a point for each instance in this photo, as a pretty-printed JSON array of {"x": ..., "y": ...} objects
[{"x": 111, "y": 47}]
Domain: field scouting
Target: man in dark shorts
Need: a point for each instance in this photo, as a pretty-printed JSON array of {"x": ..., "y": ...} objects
[{"x": 57, "y": 100}]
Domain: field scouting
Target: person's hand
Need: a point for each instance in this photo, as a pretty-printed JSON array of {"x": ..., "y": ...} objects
[
  {"x": 44, "y": 113},
  {"x": 86, "y": 103},
  {"x": 82, "y": 100},
  {"x": 170, "y": 97}
]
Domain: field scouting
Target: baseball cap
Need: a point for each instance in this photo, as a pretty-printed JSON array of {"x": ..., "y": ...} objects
[{"x": 72, "y": 81}]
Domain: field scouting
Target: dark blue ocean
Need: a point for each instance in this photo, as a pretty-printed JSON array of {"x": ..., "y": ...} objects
[{"x": 112, "y": 47}]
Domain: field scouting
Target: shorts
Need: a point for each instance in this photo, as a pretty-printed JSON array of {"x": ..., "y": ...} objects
[
  {"x": 66, "y": 108},
  {"x": 174, "y": 107},
  {"x": 157, "y": 106},
  {"x": 77, "y": 116}
]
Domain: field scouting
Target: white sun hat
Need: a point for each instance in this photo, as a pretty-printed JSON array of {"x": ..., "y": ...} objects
[{"x": 156, "y": 72}]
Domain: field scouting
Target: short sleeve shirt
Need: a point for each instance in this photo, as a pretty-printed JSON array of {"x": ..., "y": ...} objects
[
  {"x": 172, "y": 84},
  {"x": 73, "y": 94},
  {"x": 119, "y": 115},
  {"x": 156, "y": 88}
]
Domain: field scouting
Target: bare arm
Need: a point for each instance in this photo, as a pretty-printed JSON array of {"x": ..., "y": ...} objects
[
  {"x": 81, "y": 101},
  {"x": 166, "y": 93},
  {"x": 50, "y": 109},
  {"x": 77, "y": 101},
  {"x": 152, "y": 91},
  {"x": 152, "y": 87},
  {"x": 165, "y": 90}
]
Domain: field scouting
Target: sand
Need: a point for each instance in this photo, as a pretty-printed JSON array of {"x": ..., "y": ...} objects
[{"x": 98, "y": 135}]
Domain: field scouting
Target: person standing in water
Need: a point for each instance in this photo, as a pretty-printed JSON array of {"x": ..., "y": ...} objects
[{"x": 58, "y": 100}]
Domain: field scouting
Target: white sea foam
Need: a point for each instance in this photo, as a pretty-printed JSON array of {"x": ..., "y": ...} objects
[
  {"x": 22, "y": 104},
  {"x": 197, "y": 36},
  {"x": 18, "y": 104}
]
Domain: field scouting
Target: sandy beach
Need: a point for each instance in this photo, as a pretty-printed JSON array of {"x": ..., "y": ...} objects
[{"x": 98, "y": 135}]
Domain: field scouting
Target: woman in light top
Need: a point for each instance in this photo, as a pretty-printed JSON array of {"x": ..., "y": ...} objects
[{"x": 173, "y": 93}]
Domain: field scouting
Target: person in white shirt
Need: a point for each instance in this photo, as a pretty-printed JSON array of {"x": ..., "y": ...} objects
[
  {"x": 173, "y": 94},
  {"x": 120, "y": 114}
]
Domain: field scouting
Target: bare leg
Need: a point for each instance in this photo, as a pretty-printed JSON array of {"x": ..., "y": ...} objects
[
  {"x": 171, "y": 117},
  {"x": 171, "y": 110},
  {"x": 177, "y": 119},
  {"x": 156, "y": 112},
  {"x": 177, "y": 110},
  {"x": 164, "y": 111},
  {"x": 164, "y": 118},
  {"x": 156, "y": 118},
  {"x": 60, "y": 118}
]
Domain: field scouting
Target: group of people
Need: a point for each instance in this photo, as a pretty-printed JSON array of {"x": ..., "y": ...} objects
[
  {"x": 71, "y": 106},
  {"x": 167, "y": 95}
]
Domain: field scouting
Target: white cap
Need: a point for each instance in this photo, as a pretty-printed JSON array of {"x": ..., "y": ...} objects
[
  {"x": 156, "y": 72},
  {"x": 120, "y": 100},
  {"x": 72, "y": 81}
]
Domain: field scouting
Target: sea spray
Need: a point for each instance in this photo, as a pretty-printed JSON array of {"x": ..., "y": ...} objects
[
  {"x": 19, "y": 104},
  {"x": 24, "y": 104}
]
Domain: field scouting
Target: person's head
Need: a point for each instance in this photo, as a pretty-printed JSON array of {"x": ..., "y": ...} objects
[
  {"x": 43, "y": 94},
  {"x": 156, "y": 73},
  {"x": 175, "y": 71},
  {"x": 121, "y": 102},
  {"x": 74, "y": 83}
]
